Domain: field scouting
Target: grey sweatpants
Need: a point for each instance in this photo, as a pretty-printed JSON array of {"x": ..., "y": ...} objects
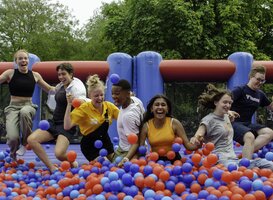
[
  {"x": 258, "y": 162},
  {"x": 19, "y": 116}
]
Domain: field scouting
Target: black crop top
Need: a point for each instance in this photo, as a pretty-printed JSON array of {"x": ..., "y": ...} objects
[{"x": 21, "y": 84}]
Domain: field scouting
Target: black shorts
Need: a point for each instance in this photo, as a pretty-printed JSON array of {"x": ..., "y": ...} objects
[
  {"x": 241, "y": 128},
  {"x": 88, "y": 144},
  {"x": 57, "y": 128}
]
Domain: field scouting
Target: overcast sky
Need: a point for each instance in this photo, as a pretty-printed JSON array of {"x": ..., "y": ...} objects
[{"x": 83, "y": 9}]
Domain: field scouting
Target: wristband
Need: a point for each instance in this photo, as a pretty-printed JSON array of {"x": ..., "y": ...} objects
[{"x": 125, "y": 159}]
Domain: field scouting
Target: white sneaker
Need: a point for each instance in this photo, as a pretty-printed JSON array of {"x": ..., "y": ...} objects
[
  {"x": 75, "y": 164},
  {"x": 21, "y": 151}
]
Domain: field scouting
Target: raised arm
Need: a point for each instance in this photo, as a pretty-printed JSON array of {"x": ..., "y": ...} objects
[
  {"x": 67, "y": 119},
  {"x": 5, "y": 76},
  {"x": 41, "y": 82},
  {"x": 180, "y": 132}
]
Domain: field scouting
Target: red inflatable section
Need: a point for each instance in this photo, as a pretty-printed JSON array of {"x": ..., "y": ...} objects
[
  {"x": 5, "y": 65},
  {"x": 269, "y": 69},
  {"x": 171, "y": 70},
  {"x": 82, "y": 69},
  {"x": 196, "y": 70}
]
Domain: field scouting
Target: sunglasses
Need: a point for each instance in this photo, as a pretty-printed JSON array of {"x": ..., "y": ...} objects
[{"x": 262, "y": 81}]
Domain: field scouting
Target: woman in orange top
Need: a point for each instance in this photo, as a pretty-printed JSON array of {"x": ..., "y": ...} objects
[{"x": 161, "y": 129}]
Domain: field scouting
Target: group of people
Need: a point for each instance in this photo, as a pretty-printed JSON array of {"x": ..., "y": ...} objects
[{"x": 230, "y": 119}]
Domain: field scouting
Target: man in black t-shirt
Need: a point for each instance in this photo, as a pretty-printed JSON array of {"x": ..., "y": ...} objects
[{"x": 246, "y": 100}]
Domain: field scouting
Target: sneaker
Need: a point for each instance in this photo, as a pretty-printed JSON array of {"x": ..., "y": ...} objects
[
  {"x": 21, "y": 151},
  {"x": 75, "y": 164}
]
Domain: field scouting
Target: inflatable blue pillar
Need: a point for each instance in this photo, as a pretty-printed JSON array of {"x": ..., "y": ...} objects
[
  {"x": 149, "y": 80},
  {"x": 121, "y": 64},
  {"x": 243, "y": 62},
  {"x": 36, "y": 98}
]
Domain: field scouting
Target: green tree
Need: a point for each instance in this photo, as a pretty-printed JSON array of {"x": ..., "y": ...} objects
[
  {"x": 191, "y": 29},
  {"x": 40, "y": 27}
]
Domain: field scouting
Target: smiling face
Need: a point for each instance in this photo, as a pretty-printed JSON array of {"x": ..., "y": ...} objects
[
  {"x": 256, "y": 81},
  {"x": 223, "y": 105},
  {"x": 64, "y": 77},
  {"x": 120, "y": 96},
  {"x": 160, "y": 108},
  {"x": 97, "y": 96},
  {"x": 21, "y": 59}
]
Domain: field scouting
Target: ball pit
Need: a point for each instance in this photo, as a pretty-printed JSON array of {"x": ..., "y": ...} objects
[{"x": 144, "y": 178}]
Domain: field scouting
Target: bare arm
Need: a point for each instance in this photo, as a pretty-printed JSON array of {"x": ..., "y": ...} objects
[
  {"x": 6, "y": 75},
  {"x": 232, "y": 115},
  {"x": 143, "y": 135},
  {"x": 180, "y": 132},
  {"x": 41, "y": 82},
  {"x": 67, "y": 119},
  {"x": 132, "y": 152},
  {"x": 198, "y": 138}
]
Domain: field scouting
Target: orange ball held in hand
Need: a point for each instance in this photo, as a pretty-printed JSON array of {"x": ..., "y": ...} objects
[
  {"x": 76, "y": 103},
  {"x": 132, "y": 138},
  {"x": 71, "y": 156}
]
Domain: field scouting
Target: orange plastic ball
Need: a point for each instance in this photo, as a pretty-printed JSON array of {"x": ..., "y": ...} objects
[
  {"x": 76, "y": 103},
  {"x": 179, "y": 188},
  {"x": 132, "y": 138},
  {"x": 149, "y": 181},
  {"x": 164, "y": 175},
  {"x": 65, "y": 165},
  {"x": 209, "y": 146},
  {"x": 171, "y": 155},
  {"x": 212, "y": 159},
  {"x": 71, "y": 156},
  {"x": 154, "y": 156},
  {"x": 196, "y": 158}
]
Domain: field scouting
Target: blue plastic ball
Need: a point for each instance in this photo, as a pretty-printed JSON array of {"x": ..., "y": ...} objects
[
  {"x": 147, "y": 170},
  {"x": 44, "y": 125},
  {"x": 2, "y": 155},
  {"x": 114, "y": 78},
  {"x": 217, "y": 174},
  {"x": 134, "y": 168},
  {"x": 113, "y": 176},
  {"x": 246, "y": 185},
  {"x": 269, "y": 156},
  {"x": 142, "y": 150},
  {"x": 103, "y": 152},
  {"x": 211, "y": 197},
  {"x": 98, "y": 144},
  {"x": 115, "y": 140},
  {"x": 231, "y": 167},
  {"x": 268, "y": 190},
  {"x": 257, "y": 185},
  {"x": 203, "y": 194},
  {"x": 74, "y": 194},
  {"x": 224, "y": 198},
  {"x": 127, "y": 179},
  {"x": 244, "y": 162},
  {"x": 186, "y": 167},
  {"x": 176, "y": 147}
]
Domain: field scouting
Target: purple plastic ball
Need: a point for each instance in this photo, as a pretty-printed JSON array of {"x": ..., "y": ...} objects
[
  {"x": 98, "y": 144},
  {"x": 44, "y": 125},
  {"x": 114, "y": 78}
]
